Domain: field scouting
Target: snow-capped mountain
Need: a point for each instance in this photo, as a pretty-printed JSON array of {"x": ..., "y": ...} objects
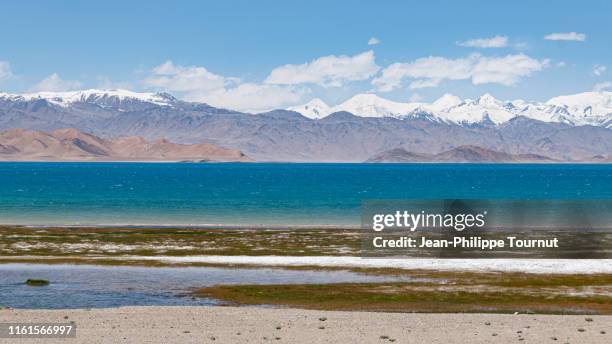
[
  {"x": 371, "y": 105},
  {"x": 589, "y": 108},
  {"x": 314, "y": 109},
  {"x": 363, "y": 105},
  {"x": 94, "y": 96},
  {"x": 585, "y": 108},
  {"x": 447, "y": 101},
  {"x": 485, "y": 108},
  {"x": 551, "y": 129}
]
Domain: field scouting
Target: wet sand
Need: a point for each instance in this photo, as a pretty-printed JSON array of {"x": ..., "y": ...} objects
[{"x": 267, "y": 325}]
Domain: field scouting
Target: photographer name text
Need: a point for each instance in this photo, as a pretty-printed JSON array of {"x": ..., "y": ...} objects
[{"x": 464, "y": 242}]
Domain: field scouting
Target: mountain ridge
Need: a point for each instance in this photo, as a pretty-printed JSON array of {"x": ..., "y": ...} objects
[
  {"x": 587, "y": 108},
  {"x": 70, "y": 144},
  {"x": 461, "y": 154},
  {"x": 283, "y": 135}
]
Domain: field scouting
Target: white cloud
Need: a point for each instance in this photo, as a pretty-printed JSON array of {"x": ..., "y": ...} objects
[
  {"x": 54, "y": 83},
  {"x": 430, "y": 71},
  {"x": 5, "y": 70},
  {"x": 506, "y": 70},
  {"x": 327, "y": 71},
  {"x": 196, "y": 83},
  {"x": 602, "y": 86},
  {"x": 494, "y": 42},
  {"x": 176, "y": 78},
  {"x": 424, "y": 83},
  {"x": 561, "y": 64},
  {"x": 373, "y": 41},
  {"x": 566, "y": 36},
  {"x": 252, "y": 97},
  {"x": 599, "y": 70}
]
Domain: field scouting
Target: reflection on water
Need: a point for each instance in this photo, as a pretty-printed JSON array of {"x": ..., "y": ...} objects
[{"x": 87, "y": 286}]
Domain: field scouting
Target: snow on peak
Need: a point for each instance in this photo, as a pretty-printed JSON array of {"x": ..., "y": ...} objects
[
  {"x": 94, "y": 96},
  {"x": 371, "y": 105},
  {"x": 488, "y": 100},
  {"x": 485, "y": 108},
  {"x": 445, "y": 102},
  {"x": 363, "y": 105},
  {"x": 593, "y": 108},
  {"x": 600, "y": 100},
  {"x": 317, "y": 103},
  {"x": 314, "y": 109}
]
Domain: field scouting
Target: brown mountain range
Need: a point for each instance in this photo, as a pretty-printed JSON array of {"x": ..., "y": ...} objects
[
  {"x": 74, "y": 145},
  {"x": 466, "y": 153}
]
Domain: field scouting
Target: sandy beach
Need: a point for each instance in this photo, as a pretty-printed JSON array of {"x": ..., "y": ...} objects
[{"x": 265, "y": 325}]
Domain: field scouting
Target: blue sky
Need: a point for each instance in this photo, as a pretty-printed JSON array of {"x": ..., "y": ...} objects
[{"x": 263, "y": 54}]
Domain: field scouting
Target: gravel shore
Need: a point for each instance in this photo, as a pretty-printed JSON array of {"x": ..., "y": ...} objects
[{"x": 267, "y": 325}]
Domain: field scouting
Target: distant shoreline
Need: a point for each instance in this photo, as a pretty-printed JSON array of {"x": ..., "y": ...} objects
[
  {"x": 203, "y": 226},
  {"x": 256, "y": 162}
]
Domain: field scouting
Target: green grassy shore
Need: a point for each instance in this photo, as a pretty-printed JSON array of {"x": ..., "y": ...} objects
[
  {"x": 426, "y": 290},
  {"x": 444, "y": 292},
  {"x": 116, "y": 241}
]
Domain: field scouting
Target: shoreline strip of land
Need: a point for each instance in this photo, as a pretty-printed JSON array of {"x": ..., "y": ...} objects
[{"x": 273, "y": 325}]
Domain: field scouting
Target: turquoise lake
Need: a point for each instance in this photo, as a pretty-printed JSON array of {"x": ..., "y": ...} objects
[{"x": 266, "y": 194}]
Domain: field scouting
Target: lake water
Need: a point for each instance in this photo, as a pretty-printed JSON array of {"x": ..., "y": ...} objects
[
  {"x": 266, "y": 194},
  {"x": 87, "y": 286},
  {"x": 235, "y": 194}
]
